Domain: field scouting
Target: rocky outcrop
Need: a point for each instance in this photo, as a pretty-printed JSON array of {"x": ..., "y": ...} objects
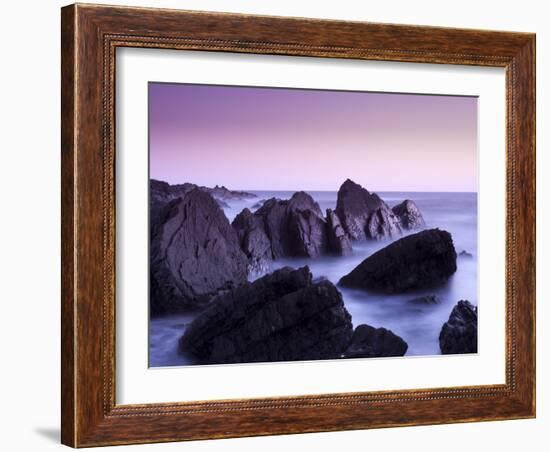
[
  {"x": 459, "y": 333},
  {"x": 253, "y": 241},
  {"x": 370, "y": 342},
  {"x": 283, "y": 316},
  {"x": 161, "y": 191},
  {"x": 294, "y": 227},
  {"x": 338, "y": 241},
  {"x": 383, "y": 224},
  {"x": 422, "y": 260},
  {"x": 409, "y": 215},
  {"x": 364, "y": 215},
  {"x": 194, "y": 254}
]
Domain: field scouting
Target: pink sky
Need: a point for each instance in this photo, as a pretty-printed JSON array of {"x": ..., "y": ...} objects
[{"x": 293, "y": 139}]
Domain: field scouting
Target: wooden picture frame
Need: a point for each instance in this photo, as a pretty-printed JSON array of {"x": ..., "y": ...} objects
[{"x": 90, "y": 36}]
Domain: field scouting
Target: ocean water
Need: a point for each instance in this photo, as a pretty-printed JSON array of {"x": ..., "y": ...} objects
[{"x": 419, "y": 325}]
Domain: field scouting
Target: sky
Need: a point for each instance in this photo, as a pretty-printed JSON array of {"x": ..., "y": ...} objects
[{"x": 251, "y": 138}]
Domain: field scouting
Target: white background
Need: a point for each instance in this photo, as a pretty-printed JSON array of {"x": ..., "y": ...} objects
[
  {"x": 137, "y": 384},
  {"x": 29, "y": 396}
]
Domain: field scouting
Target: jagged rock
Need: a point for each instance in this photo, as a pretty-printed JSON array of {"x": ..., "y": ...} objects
[
  {"x": 422, "y": 260},
  {"x": 409, "y": 215},
  {"x": 426, "y": 299},
  {"x": 459, "y": 333},
  {"x": 303, "y": 201},
  {"x": 364, "y": 215},
  {"x": 354, "y": 207},
  {"x": 465, "y": 255},
  {"x": 370, "y": 342},
  {"x": 383, "y": 224},
  {"x": 254, "y": 241},
  {"x": 164, "y": 192},
  {"x": 282, "y": 316},
  {"x": 195, "y": 253},
  {"x": 338, "y": 241},
  {"x": 307, "y": 234},
  {"x": 295, "y": 227}
]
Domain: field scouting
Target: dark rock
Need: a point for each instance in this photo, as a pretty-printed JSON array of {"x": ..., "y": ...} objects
[
  {"x": 195, "y": 253},
  {"x": 409, "y": 215},
  {"x": 426, "y": 299},
  {"x": 303, "y": 201},
  {"x": 338, "y": 241},
  {"x": 164, "y": 192},
  {"x": 383, "y": 224},
  {"x": 364, "y": 215},
  {"x": 254, "y": 241},
  {"x": 459, "y": 333},
  {"x": 422, "y": 260},
  {"x": 307, "y": 234},
  {"x": 354, "y": 207},
  {"x": 295, "y": 227},
  {"x": 223, "y": 193},
  {"x": 370, "y": 342},
  {"x": 465, "y": 255},
  {"x": 282, "y": 316}
]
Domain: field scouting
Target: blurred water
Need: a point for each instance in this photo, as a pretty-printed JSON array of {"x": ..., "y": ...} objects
[{"x": 419, "y": 325}]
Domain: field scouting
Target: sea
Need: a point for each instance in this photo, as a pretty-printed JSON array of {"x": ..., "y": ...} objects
[{"x": 418, "y": 324}]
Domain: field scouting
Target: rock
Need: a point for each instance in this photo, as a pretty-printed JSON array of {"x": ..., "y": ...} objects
[
  {"x": 282, "y": 316},
  {"x": 370, "y": 342},
  {"x": 195, "y": 253},
  {"x": 465, "y": 255},
  {"x": 295, "y": 227},
  {"x": 422, "y": 260},
  {"x": 426, "y": 299},
  {"x": 409, "y": 215},
  {"x": 364, "y": 215},
  {"x": 459, "y": 333},
  {"x": 223, "y": 193},
  {"x": 383, "y": 224},
  {"x": 303, "y": 201},
  {"x": 354, "y": 207},
  {"x": 253, "y": 241},
  {"x": 164, "y": 192},
  {"x": 307, "y": 234},
  {"x": 338, "y": 241}
]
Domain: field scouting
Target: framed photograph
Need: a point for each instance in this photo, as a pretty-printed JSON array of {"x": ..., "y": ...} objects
[{"x": 281, "y": 225}]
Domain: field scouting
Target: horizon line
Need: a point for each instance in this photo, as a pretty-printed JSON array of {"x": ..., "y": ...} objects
[{"x": 313, "y": 190}]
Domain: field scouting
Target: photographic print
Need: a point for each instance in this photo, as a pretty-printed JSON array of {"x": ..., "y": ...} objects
[{"x": 295, "y": 224}]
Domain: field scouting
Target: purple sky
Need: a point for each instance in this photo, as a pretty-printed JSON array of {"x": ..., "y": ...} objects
[{"x": 288, "y": 139}]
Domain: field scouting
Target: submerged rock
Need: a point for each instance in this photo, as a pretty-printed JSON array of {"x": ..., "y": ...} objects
[
  {"x": 338, "y": 241},
  {"x": 422, "y": 260},
  {"x": 194, "y": 254},
  {"x": 465, "y": 255},
  {"x": 459, "y": 333},
  {"x": 370, "y": 342},
  {"x": 283, "y": 316},
  {"x": 409, "y": 215},
  {"x": 426, "y": 299}
]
